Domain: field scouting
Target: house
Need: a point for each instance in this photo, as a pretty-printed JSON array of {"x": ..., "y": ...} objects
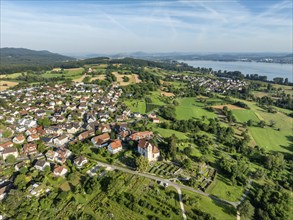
[
  {"x": 86, "y": 134},
  {"x": 61, "y": 140},
  {"x": 115, "y": 146},
  {"x": 31, "y": 131},
  {"x": 60, "y": 171},
  {"x": 9, "y": 151},
  {"x": 72, "y": 128},
  {"x": 20, "y": 165},
  {"x": 92, "y": 126},
  {"x": 100, "y": 140},
  {"x": 5, "y": 145},
  {"x": 105, "y": 128},
  {"x": 51, "y": 155},
  {"x": 62, "y": 155},
  {"x": 41, "y": 164},
  {"x": 148, "y": 150},
  {"x": 54, "y": 130},
  {"x": 141, "y": 135},
  {"x": 80, "y": 161},
  {"x": 123, "y": 135},
  {"x": 47, "y": 140},
  {"x": 20, "y": 129},
  {"x": 19, "y": 139},
  {"x": 33, "y": 137},
  {"x": 30, "y": 148},
  {"x": 156, "y": 120}
]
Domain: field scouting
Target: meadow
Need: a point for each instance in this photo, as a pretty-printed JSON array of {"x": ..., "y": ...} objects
[
  {"x": 136, "y": 105},
  {"x": 189, "y": 108}
]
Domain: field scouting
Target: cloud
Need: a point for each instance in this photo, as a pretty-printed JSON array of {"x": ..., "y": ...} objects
[{"x": 109, "y": 27}]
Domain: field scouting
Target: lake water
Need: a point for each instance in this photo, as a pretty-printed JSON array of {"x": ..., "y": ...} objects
[{"x": 271, "y": 70}]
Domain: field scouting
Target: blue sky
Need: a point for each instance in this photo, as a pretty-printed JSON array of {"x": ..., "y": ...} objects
[{"x": 81, "y": 27}]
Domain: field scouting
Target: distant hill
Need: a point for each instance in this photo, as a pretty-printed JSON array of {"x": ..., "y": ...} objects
[{"x": 20, "y": 59}]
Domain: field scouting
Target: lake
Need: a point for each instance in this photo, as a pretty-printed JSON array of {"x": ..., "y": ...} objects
[{"x": 271, "y": 70}]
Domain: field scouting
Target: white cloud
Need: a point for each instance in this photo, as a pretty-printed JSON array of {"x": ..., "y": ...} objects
[{"x": 147, "y": 26}]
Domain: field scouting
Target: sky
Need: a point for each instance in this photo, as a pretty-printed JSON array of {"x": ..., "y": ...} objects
[{"x": 107, "y": 27}]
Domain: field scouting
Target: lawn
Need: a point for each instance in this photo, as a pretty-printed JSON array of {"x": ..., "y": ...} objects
[
  {"x": 189, "y": 108},
  {"x": 136, "y": 105},
  {"x": 245, "y": 115},
  {"x": 223, "y": 188},
  {"x": 216, "y": 209}
]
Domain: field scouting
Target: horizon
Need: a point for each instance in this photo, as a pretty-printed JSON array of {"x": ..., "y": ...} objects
[{"x": 100, "y": 27}]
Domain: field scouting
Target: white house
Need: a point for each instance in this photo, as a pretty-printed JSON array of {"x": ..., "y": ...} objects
[
  {"x": 41, "y": 164},
  {"x": 80, "y": 161},
  {"x": 115, "y": 146},
  {"x": 9, "y": 151},
  {"x": 59, "y": 141},
  {"x": 60, "y": 171}
]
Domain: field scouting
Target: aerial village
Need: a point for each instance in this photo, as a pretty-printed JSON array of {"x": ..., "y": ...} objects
[{"x": 48, "y": 119}]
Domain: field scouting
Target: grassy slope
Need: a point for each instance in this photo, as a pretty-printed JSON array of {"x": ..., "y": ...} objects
[
  {"x": 245, "y": 115},
  {"x": 189, "y": 108},
  {"x": 269, "y": 138},
  {"x": 223, "y": 188}
]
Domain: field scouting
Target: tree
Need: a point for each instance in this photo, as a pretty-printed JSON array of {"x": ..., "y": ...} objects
[
  {"x": 261, "y": 124},
  {"x": 86, "y": 79},
  {"x": 45, "y": 122},
  {"x": 246, "y": 210},
  {"x": 249, "y": 122},
  {"x": 142, "y": 163},
  {"x": 125, "y": 79},
  {"x": 187, "y": 163},
  {"x": 20, "y": 181},
  {"x": 172, "y": 146},
  {"x": 10, "y": 159}
]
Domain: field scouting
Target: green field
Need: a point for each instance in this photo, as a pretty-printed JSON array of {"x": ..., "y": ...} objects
[
  {"x": 136, "y": 106},
  {"x": 245, "y": 115},
  {"x": 156, "y": 98},
  {"x": 74, "y": 73},
  {"x": 223, "y": 188},
  {"x": 269, "y": 137},
  {"x": 189, "y": 108}
]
